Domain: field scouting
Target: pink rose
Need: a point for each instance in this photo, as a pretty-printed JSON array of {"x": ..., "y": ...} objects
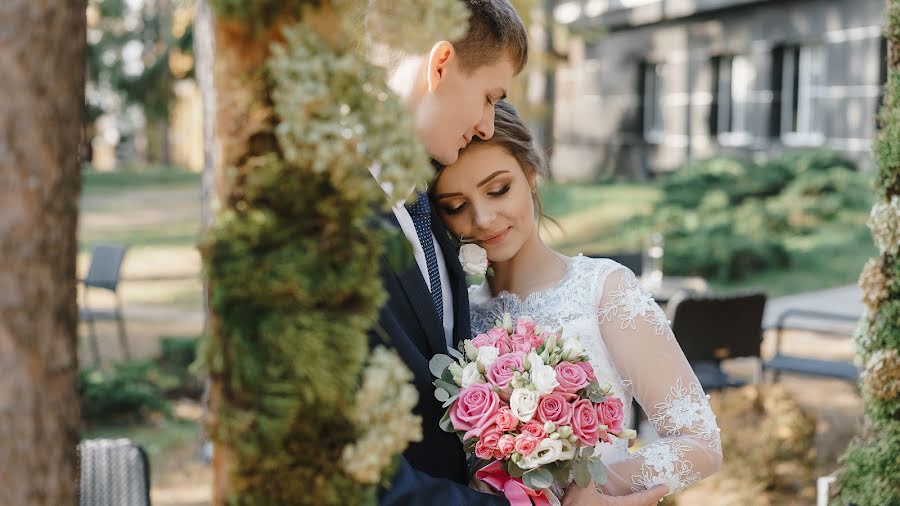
[
  {"x": 526, "y": 443},
  {"x": 588, "y": 369},
  {"x": 554, "y": 408},
  {"x": 483, "y": 340},
  {"x": 502, "y": 341},
  {"x": 521, "y": 343},
  {"x": 491, "y": 437},
  {"x": 500, "y": 373},
  {"x": 585, "y": 421},
  {"x": 505, "y": 419},
  {"x": 474, "y": 409},
  {"x": 534, "y": 428},
  {"x": 482, "y": 451},
  {"x": 571, "y": 378},
  {"x": 611, "y": 413},
  {"x": 506, "y": 445},
  {"x": 524, "y": 327}
]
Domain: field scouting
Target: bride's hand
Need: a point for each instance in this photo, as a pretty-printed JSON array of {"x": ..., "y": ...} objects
[{"x": 589, "y": 496}]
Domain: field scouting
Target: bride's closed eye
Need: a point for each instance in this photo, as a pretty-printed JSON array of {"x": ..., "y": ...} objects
[{"x": 458, "y": 209}]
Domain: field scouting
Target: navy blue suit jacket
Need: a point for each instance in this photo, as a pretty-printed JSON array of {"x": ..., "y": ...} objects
[{"x": 432, "y": 471}]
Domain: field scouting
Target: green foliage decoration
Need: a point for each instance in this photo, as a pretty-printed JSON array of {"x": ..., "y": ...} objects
[
  {"x": 870, "y": 472},
  {"x": 293, "y": 260}
]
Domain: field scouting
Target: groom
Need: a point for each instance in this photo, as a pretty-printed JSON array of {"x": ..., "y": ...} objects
[{"x": 452, "y": 92}]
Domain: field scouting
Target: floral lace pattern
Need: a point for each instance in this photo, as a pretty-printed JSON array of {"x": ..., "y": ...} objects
[
  {"x": 687, "y": 408},
  {"x": 630, "y": 302},
  {"x": 555, "y": 306},
  {"x": 665, "y": 463}
]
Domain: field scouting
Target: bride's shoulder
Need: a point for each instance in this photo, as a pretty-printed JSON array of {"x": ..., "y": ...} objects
[{"x": 598, "y": 265}]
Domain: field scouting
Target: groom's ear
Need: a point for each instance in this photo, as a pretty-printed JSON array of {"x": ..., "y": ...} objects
[{"x": 439, "y": 62}]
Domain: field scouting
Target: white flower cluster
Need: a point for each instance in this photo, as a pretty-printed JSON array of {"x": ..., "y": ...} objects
[
  {"x": 383, "y": 415},
  {"x": 885, "y": 225},
  {"x": 338, "y": 115}
]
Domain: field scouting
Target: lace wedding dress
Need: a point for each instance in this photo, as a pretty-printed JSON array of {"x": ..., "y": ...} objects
[{"x": 632, "y": 348}]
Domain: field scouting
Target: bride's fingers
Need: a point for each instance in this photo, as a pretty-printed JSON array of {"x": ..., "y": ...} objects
[{"x": 647, "y": 497}]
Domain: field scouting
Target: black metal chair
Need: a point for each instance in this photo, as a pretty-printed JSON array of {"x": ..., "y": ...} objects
[
  {"x": 113, "y": 472},
  {"x": 713, "y": 328},
  {"x": 814, "y": 321},
  {"x": 103, "y": 274},
  {"x": 634, "y": 260}
]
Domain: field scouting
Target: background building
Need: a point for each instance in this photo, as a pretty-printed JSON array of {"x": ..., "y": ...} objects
[{"x": 651, "y": 84}]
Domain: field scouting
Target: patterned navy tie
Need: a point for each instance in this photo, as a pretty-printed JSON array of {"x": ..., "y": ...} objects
[{"x": 420, "y": 212}]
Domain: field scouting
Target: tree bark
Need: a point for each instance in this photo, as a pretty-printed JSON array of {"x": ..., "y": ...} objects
[{"x": 42, "y": 52}]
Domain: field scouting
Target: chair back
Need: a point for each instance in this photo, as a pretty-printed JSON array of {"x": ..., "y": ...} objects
[
  {"x": 718, "y": 327},
  {"x": 106, "y": 263},
  {"x": 113, "y": 472}
]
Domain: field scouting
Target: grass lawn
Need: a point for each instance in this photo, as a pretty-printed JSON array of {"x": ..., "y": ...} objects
[
  {"x": 96, "y": 182},
  {"x": 158, "y": 438},
  {"x": 593, "y": 221}
]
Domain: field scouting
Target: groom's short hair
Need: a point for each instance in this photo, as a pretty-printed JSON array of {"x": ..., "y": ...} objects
[{"x": 493, "y": 24}]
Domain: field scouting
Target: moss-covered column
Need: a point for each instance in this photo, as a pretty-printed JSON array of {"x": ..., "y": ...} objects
[
  {"x": 870, "y": 473},
  {"x": 292, "y": 260}
]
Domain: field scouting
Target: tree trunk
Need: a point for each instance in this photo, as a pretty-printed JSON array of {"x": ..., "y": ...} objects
[{"x": 42, "y": 51}]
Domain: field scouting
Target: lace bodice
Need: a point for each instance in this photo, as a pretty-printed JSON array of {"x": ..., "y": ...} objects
[{"x": 631, "y": 347}]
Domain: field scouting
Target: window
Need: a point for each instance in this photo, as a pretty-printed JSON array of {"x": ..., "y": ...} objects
[
  {"x": 653, "y": 78},
  {"x": 802, "y": 74},
  {"x": 733, "y": 78}
]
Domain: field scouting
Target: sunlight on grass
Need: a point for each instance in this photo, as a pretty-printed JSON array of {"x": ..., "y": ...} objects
[{"x": 591, "y": 217}]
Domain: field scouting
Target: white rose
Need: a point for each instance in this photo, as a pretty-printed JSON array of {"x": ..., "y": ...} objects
[
  {"x": 568, "y": 450},
  {"x": 543, "y": 377},
  {"x": 571, "y": 348},
  {"x": 473, "y": 259},
  {"x": 470, "y": 375},
  {"x": 470, "y": 349},
  {"x": 547, "y": 451},
  {"x": 487, "y": 355},
  {"x": 533, "y": 360},
  {"x": 456, "y": 371},
  {"x": 523, "y": 403}
]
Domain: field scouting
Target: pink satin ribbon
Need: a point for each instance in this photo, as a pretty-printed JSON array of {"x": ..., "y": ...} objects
[{"x": 513, "y": 488}]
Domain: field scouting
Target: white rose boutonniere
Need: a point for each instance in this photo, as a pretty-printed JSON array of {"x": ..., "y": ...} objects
[{"x": 475, "y": 263}]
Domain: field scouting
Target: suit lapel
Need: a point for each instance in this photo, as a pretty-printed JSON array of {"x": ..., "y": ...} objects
[
  {"x": 419, "y": 298},
  {"x": 460, "y": 293}
]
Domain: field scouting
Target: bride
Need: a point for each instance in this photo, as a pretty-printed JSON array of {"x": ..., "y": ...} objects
[{"x": 488, "y": 196}]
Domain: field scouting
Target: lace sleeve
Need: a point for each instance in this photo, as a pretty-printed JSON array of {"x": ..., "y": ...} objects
[{"x": 644, "y": 351}]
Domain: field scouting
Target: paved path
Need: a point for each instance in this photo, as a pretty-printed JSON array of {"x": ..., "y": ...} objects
[{"x": 844, "y": 300}]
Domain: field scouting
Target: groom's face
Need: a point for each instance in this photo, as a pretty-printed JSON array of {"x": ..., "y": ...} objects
[{"x": 460, "y": 106}]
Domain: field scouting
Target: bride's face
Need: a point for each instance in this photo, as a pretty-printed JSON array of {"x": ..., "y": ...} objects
[{"x": 485, "y": 196}]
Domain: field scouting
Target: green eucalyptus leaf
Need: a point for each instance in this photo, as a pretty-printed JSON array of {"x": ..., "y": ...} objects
[
  {"x": 597, "y": 470},
  {"x": 446, "y": 424},
  {"x": 451, "y": 388},
  {"x": 449, "y": 401},
  {"x": 438, "y": 363},
  {"x": 514, "y": 470},
  {"x": 441, "y": 395},
  {"x": 582, "y": 473},
  {"x": 537, "y": 479}
]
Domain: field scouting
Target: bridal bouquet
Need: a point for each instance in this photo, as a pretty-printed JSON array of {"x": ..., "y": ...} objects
[{"x": 527, "y": 402}]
